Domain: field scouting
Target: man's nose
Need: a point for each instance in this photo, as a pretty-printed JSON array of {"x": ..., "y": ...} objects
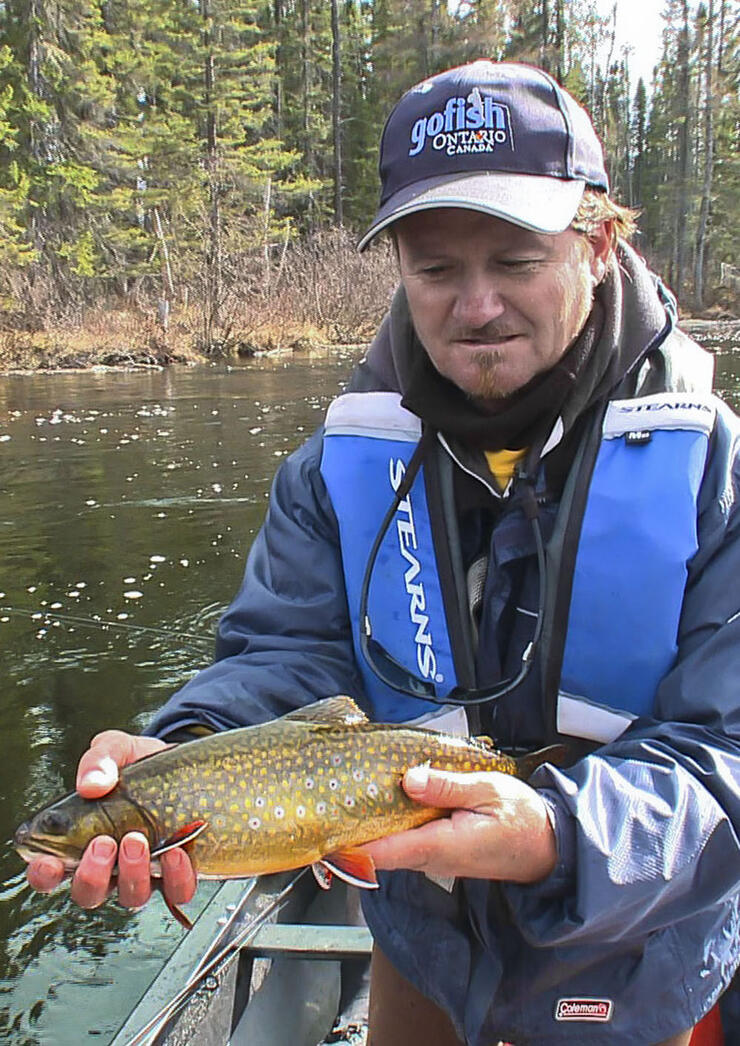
[{"x": 478, "y": 301}]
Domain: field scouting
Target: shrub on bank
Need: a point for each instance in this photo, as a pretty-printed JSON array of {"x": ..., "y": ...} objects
[{"x": 316, "y": 291}]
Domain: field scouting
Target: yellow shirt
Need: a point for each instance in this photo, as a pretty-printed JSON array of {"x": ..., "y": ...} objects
[{"x": 502, "y": 464}]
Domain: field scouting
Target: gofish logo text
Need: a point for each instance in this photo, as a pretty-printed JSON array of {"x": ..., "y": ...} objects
[
  {"x": 407, "y": 543},
  {"x": 465, "y": 125}
]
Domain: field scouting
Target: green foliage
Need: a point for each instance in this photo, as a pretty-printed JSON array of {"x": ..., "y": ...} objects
[
  {"x": 168, "y": 144},
  {"x": 80, "y": 254}
]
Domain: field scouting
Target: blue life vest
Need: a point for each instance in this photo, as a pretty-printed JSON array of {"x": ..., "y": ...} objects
[
  {"x": 368, "y": 442},
  {"x": 637, "y": 536}
]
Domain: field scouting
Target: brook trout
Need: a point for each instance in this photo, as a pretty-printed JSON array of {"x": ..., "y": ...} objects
[{"x": 307, "y": 788}]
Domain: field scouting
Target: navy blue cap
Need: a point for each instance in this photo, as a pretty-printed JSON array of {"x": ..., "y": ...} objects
[{"x": 500, "y": 138}]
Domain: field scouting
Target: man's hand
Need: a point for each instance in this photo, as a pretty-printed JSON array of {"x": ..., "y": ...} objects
[
  {"x": 498, "y": 829},
  {"x": 97, "y": 774}
]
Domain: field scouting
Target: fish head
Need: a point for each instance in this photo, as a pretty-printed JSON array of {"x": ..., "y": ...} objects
[{"x": 62, "y": 829}]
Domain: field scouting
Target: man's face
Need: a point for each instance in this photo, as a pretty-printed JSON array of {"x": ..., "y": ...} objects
[{"x": 492, "y": 303}]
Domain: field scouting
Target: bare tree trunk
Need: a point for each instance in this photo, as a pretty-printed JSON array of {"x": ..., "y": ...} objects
[
  {"x": 308, "y": 151},
  {"x": 34, "y": 46},
  {"x": 433, "y": 55},
  {"x": 608, "y": 65},
  {"x": 639, "y": 144},
  {"x": 38, "y": 132},
  {"x": 277, "y": 14},
  {"x": 168, "y": 286},
  {"x": 706, "y": 194},
  {"x": 721, "y": 41},
  {"x": 307, "y": 82},
  {"x": 560, "y": 69},
  {"x": 336, "y": 111},
  {"x": 267, "y": 205},
  {"x": 212, "y": 301},
  {"x": 682, "y": 187}
]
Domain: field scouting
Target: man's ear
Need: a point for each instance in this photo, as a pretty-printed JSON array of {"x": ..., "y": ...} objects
[
  {"x": 602, "y": 241},
  {"x": 394, "y": 240}
]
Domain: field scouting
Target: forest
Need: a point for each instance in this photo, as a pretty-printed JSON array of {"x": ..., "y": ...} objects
[{"x": 188, "y": 177}]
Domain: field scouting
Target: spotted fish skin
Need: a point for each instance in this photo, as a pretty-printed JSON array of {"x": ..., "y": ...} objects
[{"x": 271, "y": 797}]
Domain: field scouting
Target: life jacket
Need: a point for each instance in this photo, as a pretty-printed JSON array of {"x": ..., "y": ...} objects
[{"x": 637, "y": 536}]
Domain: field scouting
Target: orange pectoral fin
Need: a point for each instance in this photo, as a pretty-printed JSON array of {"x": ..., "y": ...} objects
[
  {"x": 322, "y": 874},
  {"x": 180, "y": 837},
  {"x": 354, "y": 866}
]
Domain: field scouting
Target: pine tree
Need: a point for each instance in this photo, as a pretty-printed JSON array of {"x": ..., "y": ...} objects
[
  {"x": 15, "y": 248},
  {"x": 723, "y": 228},
  {"x": 705, "y": 22},
  {"x": 639, "y": 144}
]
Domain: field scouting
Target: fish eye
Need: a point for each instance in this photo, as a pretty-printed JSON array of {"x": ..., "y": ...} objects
[{"x": 54, "y": 822}]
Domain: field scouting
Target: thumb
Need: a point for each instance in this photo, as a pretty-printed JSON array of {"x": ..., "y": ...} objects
[
  {"x": 446, "y": 789},
  {"x": 97, "y": 774},
  {"x": 98, "y": 768}
]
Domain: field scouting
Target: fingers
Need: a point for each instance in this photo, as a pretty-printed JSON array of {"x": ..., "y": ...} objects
[
  {"x": 91, "y": 884},
  {"x": 91, "y": 881},
  {"x": 134, "y": 877},
  {"x": 417, "y": 849},
  {"x": 45, "y": 873},
  {"x": 497, "y": 827},
  {"x": 178, "y": 876},
  {"x": 97, "y": 772},
  {"x": 453, "y": 791}
]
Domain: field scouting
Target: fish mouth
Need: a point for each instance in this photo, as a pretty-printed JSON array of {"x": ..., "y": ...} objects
[{"x": 29, "y": 849}]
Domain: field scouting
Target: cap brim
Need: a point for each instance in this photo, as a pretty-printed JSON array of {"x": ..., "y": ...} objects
[{"x": 534, "y": 201}]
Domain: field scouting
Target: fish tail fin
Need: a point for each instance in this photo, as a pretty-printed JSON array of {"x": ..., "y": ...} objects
[{"x": 528, "y": 763}]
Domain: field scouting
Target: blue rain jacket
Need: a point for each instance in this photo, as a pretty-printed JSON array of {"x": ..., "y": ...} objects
[{"x": 635, "y": 935}]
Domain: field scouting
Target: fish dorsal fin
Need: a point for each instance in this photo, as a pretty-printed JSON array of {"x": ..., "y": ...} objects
[
  {"x": 558, "y": 755},
  {"x": 332, "y": 711}
]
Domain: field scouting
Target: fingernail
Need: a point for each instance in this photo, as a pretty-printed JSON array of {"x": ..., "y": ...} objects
[
  {"x": 133, "y": 847},
  {"x": 102, "y": 848},
  {"x": 417, "y": 778},
  {"x": 175, "y": 859},
  {"x": 47, "y": 865},
  {"x": 104, "y": 776}
]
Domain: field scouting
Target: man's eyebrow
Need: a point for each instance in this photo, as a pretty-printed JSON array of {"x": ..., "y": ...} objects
[{"x": 420, "y": 249}]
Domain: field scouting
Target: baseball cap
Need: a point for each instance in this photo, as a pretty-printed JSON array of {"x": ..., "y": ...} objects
[{"x": 497, "y": 137}]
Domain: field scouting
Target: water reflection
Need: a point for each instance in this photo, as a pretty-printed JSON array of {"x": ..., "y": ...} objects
[{"x": 129, "y": 500}]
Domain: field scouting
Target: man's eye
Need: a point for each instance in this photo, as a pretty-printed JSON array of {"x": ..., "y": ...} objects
[{"x": 520, "y": 263}]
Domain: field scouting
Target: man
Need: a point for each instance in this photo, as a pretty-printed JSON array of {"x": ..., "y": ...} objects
[{"x": 521, "y": 521}]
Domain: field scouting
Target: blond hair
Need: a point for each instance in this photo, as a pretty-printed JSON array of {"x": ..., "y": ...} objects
[{"x": 597, "y": 207}]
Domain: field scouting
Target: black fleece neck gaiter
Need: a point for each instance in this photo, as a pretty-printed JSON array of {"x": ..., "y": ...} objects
[{"x": 523, "y": 418}]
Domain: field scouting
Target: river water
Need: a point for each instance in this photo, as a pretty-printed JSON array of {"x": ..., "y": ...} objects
[{"x": 129, "y": 500}]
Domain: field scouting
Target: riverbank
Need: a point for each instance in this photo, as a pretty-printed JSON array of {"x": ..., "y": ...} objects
[
  {"x": 322, "y": 293},
  {"x": 76, "y": 350},
  {"x": 713, "y": 332},
  {"x": 128, "y": 339},
  {"x": 124, "y": 341}
]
